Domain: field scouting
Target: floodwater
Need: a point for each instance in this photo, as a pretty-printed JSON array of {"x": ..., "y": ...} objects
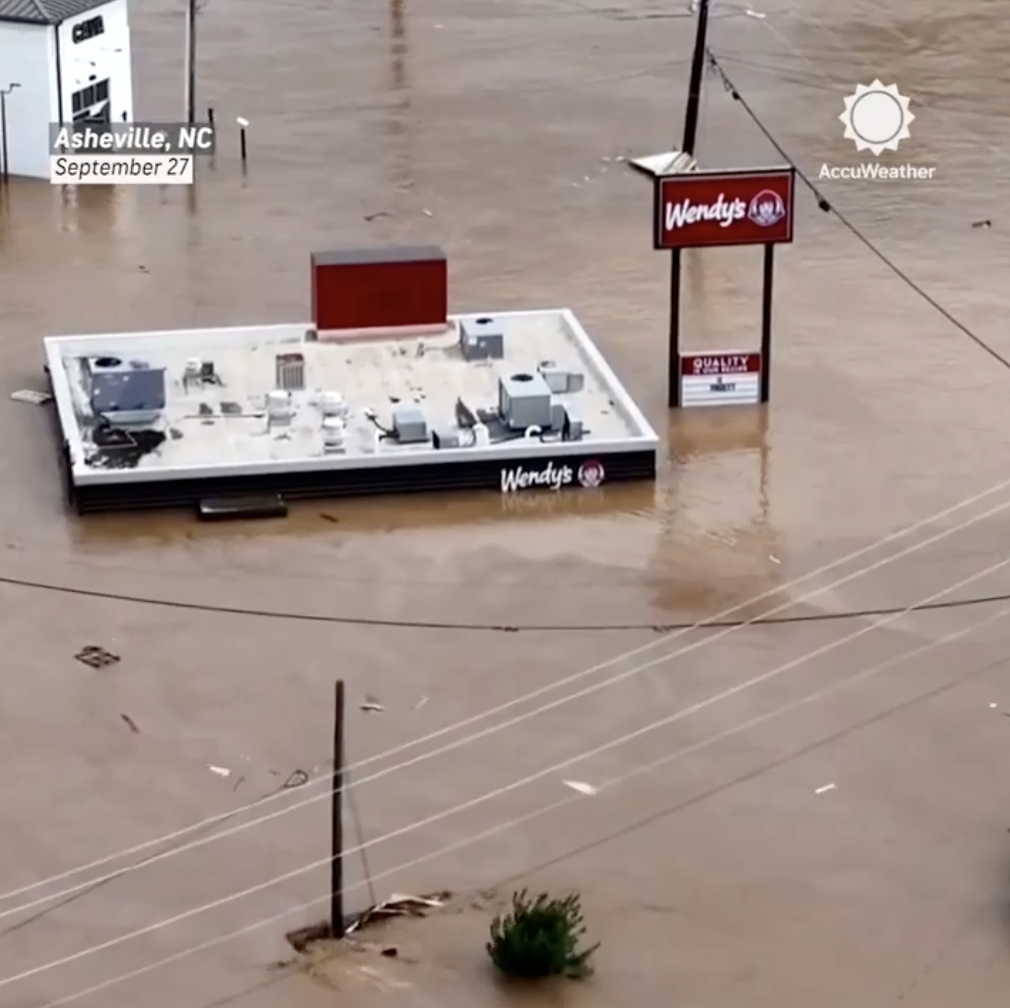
[{"x": 496, "y": 130}]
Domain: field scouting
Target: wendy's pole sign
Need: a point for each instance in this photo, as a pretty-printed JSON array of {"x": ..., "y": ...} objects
[{"x": 704, "y": 209}]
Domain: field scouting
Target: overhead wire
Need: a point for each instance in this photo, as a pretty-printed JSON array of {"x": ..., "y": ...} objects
[
  {"x": 501, "y": 726},
  {"x": 817, "y": 24},
  {"x": 552, "y": 806},
  {"x": 481, "y": 627},
  {"x": 712, "y": 623},
  {"x": 828, "y": 207},
  {"x": 914, "y": 608}
]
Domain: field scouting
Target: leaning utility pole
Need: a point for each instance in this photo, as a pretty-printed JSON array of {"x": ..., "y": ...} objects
[
  {"x": 694, "y": 87},
  {"x": 687, "y": 147},
  {"x": 191, "y": 61}
]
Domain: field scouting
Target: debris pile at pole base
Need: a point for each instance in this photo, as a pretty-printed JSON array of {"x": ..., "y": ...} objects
[{"x": 398, "y": 905}]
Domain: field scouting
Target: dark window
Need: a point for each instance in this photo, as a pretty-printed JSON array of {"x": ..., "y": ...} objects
[{"x": 91, "y": 104}]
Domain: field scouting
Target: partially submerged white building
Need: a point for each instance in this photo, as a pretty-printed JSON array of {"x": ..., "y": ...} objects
[{"x": 61, "y": 61}]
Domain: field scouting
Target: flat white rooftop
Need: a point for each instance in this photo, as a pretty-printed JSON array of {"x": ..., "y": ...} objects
[{"x": 216, "y": 414}]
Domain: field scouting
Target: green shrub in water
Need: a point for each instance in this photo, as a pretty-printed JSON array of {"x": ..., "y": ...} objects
[{"x": 540, "y": 938}]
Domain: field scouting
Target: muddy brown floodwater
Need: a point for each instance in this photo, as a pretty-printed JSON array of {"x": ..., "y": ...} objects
[{"x": 725, "y": 875}]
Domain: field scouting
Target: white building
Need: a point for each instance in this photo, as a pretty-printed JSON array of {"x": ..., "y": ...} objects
[{"x": 61, "y": 61}]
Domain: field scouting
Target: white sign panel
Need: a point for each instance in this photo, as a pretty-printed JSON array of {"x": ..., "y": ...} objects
[{"x": 720, "y": 379}]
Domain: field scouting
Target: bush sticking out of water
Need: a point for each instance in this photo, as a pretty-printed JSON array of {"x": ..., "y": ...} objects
[{"x": 540, "y": 938}]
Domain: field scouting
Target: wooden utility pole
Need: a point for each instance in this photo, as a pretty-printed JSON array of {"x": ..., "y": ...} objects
[
  {"x": 191, "y": 61},
  {"x": 337, "y": 829},
  {"x": 687, "y": 146},
  {"x": 694, "y": 87}
]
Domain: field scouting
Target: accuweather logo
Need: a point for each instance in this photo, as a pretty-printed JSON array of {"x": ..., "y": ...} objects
[{"x": 876, "y": 118}]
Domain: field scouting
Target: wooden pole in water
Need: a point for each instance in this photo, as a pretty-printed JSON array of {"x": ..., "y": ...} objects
[
  {"x": 687, "y": 146},
  {"x": 191, "y": 12},
  {"x": 337, "y": 828}
]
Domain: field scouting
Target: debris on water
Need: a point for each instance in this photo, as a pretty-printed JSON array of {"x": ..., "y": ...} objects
[
  {"x": 420, "y": 703},
  {"x": 330, "y": 518},
  {"x": 375, "y": 216},
  {"x": 774, "y": 559},
  {"x": 130, "y": 723},
  {"x": 31, "y": 396},
  {"x": 993, "y": 706},
  {"x": 581, "y": 786},
  {"x": 296, "y": 779},
  {"x": 755, "y": 14},
  {"x": 96, "y": 657},
  {"x": 371, "y": 703},
  {"x": 237, "y": 784},
  {"x": 982, "y": 224},
  {"x": 219, "y": 770},
  {"x": 825, "y": 788},
  {"x": 428, "y": 213},
  {"x": 399, "y": 905}
]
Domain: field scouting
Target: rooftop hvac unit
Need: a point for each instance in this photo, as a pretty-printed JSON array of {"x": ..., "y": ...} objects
[
  {"x": 524, "y": 400},
  {"x": 481, "y": 339},
  {"x": 125, "y": 393}
]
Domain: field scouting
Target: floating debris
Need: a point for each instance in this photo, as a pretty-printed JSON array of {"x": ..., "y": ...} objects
[
  {"x": 975, "y": 224},
  {"x": 399, "y": 905},
  {"x": 130, "y": 723},
  {"x": 219, "y": 770},
  {"x": 581, "y": 786},
  {"x": 31, "y": 396},
  {"x": 96, "y": 657},
  {"x": 371, "y": 703},
  {"x": 420, "y": 703},
  {"x": 827, "y": 787},
  {"x": 297, "y": 779}
]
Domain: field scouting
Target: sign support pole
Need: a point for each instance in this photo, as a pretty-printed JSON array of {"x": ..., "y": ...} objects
[
  {"x": 767, "y": 291},
  {"x": 673, "y": 396},
  {"x": 691, "y": 115}
]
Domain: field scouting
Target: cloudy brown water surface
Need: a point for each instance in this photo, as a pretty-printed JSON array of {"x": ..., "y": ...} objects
[{"x": 724, "y": 876}]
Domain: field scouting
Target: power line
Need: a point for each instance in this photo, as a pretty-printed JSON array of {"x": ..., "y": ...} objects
[
  {"x": 406, "y": 624},
  {"x": 550, "y": 807},
  {"x": 828, "y": 207},
  {"x": 494, "y": 729}
]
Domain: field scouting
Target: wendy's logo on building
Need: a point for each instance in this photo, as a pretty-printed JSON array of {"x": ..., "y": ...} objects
[
  {"x": 766, "y": 209},
  {"x": 591, "y": 474}
]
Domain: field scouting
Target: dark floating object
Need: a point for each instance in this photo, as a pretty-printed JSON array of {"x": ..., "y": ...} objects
[
  {"x": 96, "y": 657},
  {"x": 982, "y": 224},
  {"x": 235, "y": 508}
]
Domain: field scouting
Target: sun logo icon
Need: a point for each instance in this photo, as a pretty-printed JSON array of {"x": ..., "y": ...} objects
[{"x": 876, "y": 118}]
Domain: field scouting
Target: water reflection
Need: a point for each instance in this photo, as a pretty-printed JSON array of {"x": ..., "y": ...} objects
[{"x": 399, "y": 123}]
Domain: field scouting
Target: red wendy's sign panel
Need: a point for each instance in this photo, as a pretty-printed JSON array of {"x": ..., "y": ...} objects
[
  {"x": 753, "y": 207},
  {"x": 718, "y": 364}
]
